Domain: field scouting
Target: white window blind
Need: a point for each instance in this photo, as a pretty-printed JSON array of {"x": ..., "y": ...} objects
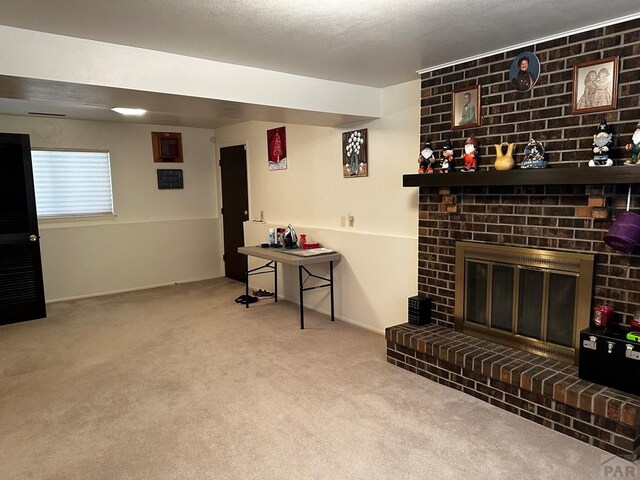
[{"x": 72, "y": 183}]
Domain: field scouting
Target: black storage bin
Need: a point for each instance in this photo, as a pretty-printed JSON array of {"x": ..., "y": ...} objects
[
  {"x": 419, "y": 310},
  {"x": 609, "y": 359}
]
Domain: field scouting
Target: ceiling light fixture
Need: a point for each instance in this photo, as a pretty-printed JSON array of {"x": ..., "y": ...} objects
[{"x": 129, "y": 111}]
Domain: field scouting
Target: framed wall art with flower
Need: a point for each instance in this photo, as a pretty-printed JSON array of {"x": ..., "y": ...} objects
[
  {"x": 355, "y": 161},
  {"x": 595, "y": 85}
]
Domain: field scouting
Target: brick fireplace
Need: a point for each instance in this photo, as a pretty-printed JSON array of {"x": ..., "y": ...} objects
[{"x": 561, "y": 217}]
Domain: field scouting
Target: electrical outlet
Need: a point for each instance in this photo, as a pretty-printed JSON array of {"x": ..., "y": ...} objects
[
  {"x": 342, "y": 221},
  {"x": 351, "y": 218}
]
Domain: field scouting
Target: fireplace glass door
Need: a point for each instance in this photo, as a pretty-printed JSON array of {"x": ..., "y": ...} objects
[
  {"x": 535, "y": 300},
  {"x": 544, "y": 302}
]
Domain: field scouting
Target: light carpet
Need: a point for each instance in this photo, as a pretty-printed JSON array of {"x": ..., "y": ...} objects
[{"x": 183, "y": 383}]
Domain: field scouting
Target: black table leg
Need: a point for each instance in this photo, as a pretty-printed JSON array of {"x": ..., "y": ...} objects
[
  {"x": 331, "y": 286},
  {"x": 301, "y": 298},
  {"x": 275, "y": 279},
  {"x": 246, "y": 285}
]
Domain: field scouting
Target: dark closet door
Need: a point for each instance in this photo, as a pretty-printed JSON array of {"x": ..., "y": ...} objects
[
  {"x": 21, "y": 285},
  {"x": 235, "y": 206}
]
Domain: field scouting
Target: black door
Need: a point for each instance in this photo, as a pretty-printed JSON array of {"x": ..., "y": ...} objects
[
  {"x": 21, "y": 285},
  {"x": 235, "y": 208}
]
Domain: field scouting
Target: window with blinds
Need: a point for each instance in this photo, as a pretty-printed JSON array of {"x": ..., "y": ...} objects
[{"x": 72, "y": 183}]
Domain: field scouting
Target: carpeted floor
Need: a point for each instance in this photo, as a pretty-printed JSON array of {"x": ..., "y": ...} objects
[{"x": 183, "y": 383}]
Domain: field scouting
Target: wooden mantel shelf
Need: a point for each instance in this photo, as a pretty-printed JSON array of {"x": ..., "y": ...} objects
[{"x": 545, "y": 176}]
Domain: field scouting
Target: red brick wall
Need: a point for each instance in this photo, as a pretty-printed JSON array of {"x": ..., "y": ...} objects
[{"x": 572, "y": 217}]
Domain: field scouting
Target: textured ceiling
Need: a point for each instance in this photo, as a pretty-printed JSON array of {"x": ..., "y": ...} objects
[{"x": 366, "y": 42}]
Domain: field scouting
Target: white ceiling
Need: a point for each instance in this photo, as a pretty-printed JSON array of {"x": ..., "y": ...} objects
[{"x": 366, "y": 42}]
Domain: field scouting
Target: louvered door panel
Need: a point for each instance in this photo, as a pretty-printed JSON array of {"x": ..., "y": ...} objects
[
  {"x": 21, "y": 284},
  {"x": 17, "y": 280}
]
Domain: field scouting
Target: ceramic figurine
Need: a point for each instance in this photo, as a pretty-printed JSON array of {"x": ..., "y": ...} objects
[
  {"x": 634, "y": 147},
  {"x": 470, "y": 155},
  {"x": 504, "y": 161},
  {"x": 448, "y": 163},
  {"x": 534, "y": 155},
  {"x": 426, "y": 159},
  {"x": 601, "y": 142}
]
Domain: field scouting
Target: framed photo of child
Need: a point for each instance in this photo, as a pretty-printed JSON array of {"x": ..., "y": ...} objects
[
  {"x": 465, "y": 108},
  {"x": 595, "y": 85}
]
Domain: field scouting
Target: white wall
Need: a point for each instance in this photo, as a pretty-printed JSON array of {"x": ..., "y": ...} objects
[
  {"x": 157, "y": 237},
  {"x": 379, "y": 268}
]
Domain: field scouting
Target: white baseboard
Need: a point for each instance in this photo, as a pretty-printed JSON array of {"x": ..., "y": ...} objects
[{"x": 124, "y": 290}]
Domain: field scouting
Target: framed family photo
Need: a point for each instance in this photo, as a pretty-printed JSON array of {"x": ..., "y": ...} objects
[
  {"x": 595, "y": 85},
  {"x": 465, "y": 108}
]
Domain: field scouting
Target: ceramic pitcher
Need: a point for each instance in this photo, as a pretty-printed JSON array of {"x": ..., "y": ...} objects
[{"x": 504, "y": 161}]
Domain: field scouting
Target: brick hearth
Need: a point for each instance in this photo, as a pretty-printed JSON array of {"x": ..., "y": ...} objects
[{"x": 544, "y": 391}]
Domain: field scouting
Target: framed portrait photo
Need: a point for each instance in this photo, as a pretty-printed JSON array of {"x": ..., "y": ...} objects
[
  {"x": 595, "y": 85},
  {"x": 465, "y": 108},
  {"x": 524, "y": 71}
]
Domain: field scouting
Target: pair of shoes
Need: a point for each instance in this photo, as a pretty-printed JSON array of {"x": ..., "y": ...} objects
[
  {"x": 244, "y": 299},
  {"x": 263, "y": 293}
]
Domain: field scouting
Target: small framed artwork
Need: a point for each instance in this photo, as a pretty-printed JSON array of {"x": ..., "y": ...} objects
[
  {"x": 169, "y": 179},
  {"x": 277, "y": 148},
  {"x": 355, "y": 159},
  {"x": 465, "y": 108},
  {"x": 167, "y": 146},
  {"x": 524, "y": 71},
  {"x": 595, "y": 85}
]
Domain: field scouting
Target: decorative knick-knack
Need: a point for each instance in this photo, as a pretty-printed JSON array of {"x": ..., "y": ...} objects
[
  {"x": 426, "y": 159},
  {"x": 634, "y": 147},
  {"x": 470, "y": 155},
  {"x": 534, "y": 155},
  {"x": 448, "y": 163},
  {"x": 504, "y": 160},
  {"x": 601, "y": 141}
]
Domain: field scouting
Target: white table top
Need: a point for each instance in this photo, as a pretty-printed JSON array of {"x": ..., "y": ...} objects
[{"x": 280, "y": 255}]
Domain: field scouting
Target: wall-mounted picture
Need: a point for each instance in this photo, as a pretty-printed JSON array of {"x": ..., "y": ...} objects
[
  {"x": 595, "y": 85},
  {"x": 277, "y": 148},
  {"x": 465, "y": 107},
  {"x": 167, "y": 146},
  {"x": 524, "y": 71},
  {"x": 355, "y": 161}
]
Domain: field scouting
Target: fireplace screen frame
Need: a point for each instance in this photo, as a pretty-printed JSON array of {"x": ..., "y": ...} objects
[{"x": 548, "y": 261}]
